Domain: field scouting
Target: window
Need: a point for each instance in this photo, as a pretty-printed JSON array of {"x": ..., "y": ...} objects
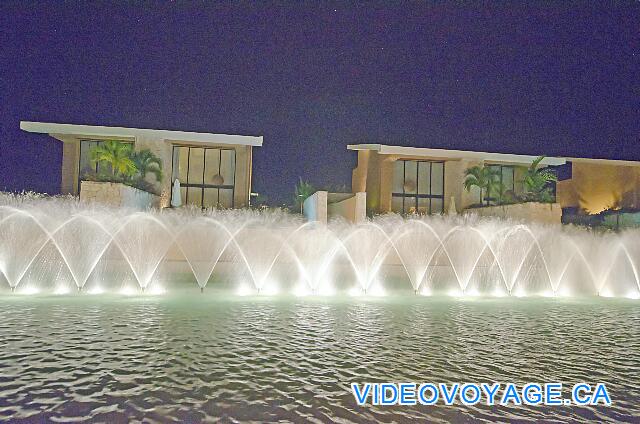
[
  {"x": 506, "y": 178},
  {"x": 84, "y": 163},
  {"x": 418, "y": 187},
  {"x": 206, "y": 175}
]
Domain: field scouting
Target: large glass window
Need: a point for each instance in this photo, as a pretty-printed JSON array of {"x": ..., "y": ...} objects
[
  {"x": 507, "y": 181},
  {"x": 418, "y": 187},
  {"x": 207, "y": 175}
]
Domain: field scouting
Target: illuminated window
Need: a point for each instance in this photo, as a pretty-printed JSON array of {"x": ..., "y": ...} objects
[
  {"x": 418, "y": 187},
  {"x": 207, "y": 175}
]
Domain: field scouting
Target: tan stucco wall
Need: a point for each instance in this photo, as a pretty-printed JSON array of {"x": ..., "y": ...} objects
[
  {"x": 69, "y": 174},
  {"x": 366, "y": 178},
  {"x": 595, "y": 187},
  {"x": 243, "y": 176}
]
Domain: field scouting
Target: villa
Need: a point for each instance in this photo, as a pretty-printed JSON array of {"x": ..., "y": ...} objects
[
  {"x": 423, "y": 180},
  {"x": 214, "y": 170}
]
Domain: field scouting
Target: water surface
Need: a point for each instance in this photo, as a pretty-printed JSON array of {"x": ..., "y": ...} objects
[{"x": 192, "y": 358}]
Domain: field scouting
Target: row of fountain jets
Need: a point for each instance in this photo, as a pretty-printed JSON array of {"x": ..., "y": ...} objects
[{"x": 47, "y": 240}]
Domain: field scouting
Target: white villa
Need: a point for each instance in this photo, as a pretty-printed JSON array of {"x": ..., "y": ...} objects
[{"x": 214, "y": 170}]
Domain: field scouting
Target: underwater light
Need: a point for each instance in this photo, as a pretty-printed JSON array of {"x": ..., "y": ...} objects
[
  {"x": 425, "y": 292},
  {"x": 455, "y": 293},
  {"x": 244, "y": 290},
  {"x": 95, "y": 290},
  {"x": 633, "y": 295},
  {"x": 499, "y": 293},
  {"x": 472, "y": 292},
  {"x": 605, "y": 293},
  {"x": 155, "y": 291},
  {"x": 564, "y": 292},
  {"x": 519, "y": 293},
  {"x": 355, "y": 291},
  {"x": 29, "y": 290},
  {"x": 127, "y": 291},
  {"x": 61, "y": 290},
  {"x": 271, "y": 290},
  {"x": 326, "y": 290},
  {"x": 301, "y": 291},
  {"x": 377, "y": 290},
  {"x": 547, "y": 293}
]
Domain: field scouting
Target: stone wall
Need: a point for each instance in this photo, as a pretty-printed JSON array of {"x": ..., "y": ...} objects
[
  {"x": 543, "y": 213},
  {"x": 117, "y": 194},
  {"x": 315, "y": 207}
]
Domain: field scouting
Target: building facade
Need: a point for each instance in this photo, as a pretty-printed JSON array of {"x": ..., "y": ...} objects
[
  {"x": 596, "y": 185},
  {"x": 421, "y": 180},
  {"x": 214, "y": 170},
  {"x": 409, "y": 179}
]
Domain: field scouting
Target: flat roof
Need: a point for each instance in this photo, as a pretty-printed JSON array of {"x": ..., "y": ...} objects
[
  {"x": 455, "y": 154},
  {"x": 122, "y": 132}
]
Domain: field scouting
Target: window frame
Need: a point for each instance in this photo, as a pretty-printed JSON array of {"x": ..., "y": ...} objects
[
  {"x": 186, "y": 184},
  {"x": 414, "y": 197}
]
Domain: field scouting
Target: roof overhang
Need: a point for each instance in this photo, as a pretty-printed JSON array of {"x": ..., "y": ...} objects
[
  {"x": 83, "y": 131},
  {"x": 455, "y": 154}
]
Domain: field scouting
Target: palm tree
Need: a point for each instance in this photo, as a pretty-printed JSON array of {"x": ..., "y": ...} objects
[
  {"x": 303, "y": 190},
  {"x": 117, "y": 155},
  {"x": 483, "y": 177},
  {"x": 146, "y": 162},
  {"x": 536, "y": 182}
]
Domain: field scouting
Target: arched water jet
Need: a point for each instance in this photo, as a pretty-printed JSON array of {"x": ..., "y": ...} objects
[
  {"x": 143, "y": 240},
  {"x": 52, "y": 245}
]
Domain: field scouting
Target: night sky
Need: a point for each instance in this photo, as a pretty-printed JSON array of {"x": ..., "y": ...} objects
[{"x": 560, "y": 78}]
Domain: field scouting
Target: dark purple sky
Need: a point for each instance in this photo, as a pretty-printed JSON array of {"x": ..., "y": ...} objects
[{"x": 558, "y": 78}]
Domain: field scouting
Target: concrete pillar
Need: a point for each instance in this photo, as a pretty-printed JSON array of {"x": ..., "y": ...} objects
[
  {"x": 360, "y": 212},
  {"x": 70, "y": 159},
  {"x": 315, "y": 207},
  {"x": 242, "y": 176}
]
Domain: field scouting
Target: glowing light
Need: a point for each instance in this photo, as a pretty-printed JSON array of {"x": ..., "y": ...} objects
[
  {"x": 547, "y": 293},
  {"x": 270, "y": 290},
  {"x": 472, "y": 292},
  {"x": 326, "y": 290},
  {"x": 519, "y": 293},
  {"x": 564, "y": 292},
  {"x": 301, "y": 291},
  {"x": 29, "y": 290},
  {"x": 355, "y": 291},
  {"x": 498, "y": 293},
  {"x": 425, "y": 291},
  {"x": 244, "y": 290},
  {"x": 61, "y": 290},
  {"x": 455, "y": 293},
  {"x": 127, "y": 291},
  {"x": 95, "y": 290},
  {"x": 156, "y": 291},
  {"x": 633, "y": 295},
  {"x": 377, "y": 290},
  {"x": 606, "y": 293}
]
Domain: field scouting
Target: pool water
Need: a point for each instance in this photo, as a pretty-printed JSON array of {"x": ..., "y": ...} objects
[{"x": 212, "y": 357}]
